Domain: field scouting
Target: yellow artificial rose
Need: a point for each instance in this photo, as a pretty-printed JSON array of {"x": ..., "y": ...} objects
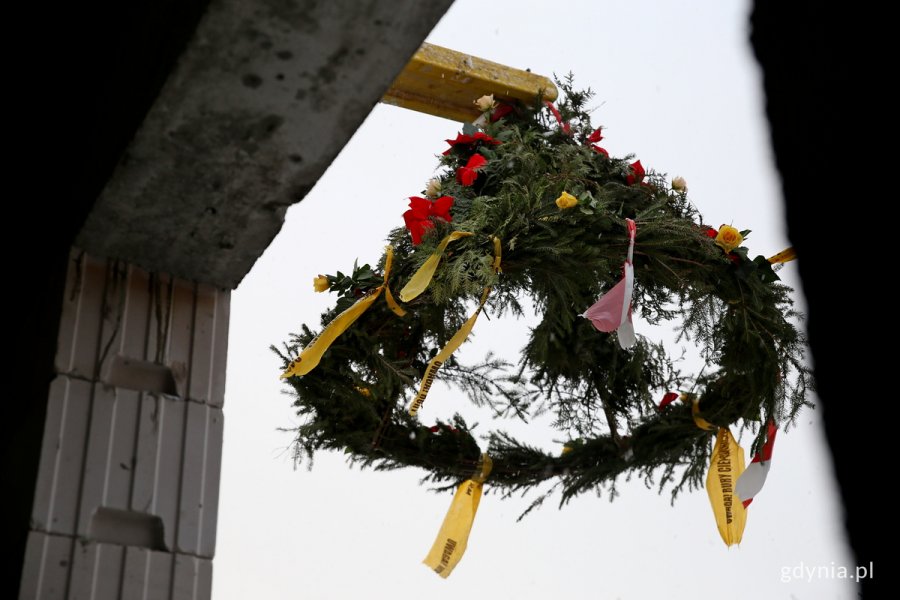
[
  {"x": 679, "y": 185},
  {"x": 433, "y": 189},
  {"x": 566, "y": 200},
  {"x": 320, "y": 283},
  {"x": 728, "y": 238},
  {"x": 485, "y": 103}
]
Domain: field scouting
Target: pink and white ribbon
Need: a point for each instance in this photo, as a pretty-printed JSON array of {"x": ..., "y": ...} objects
[
  {"x": 612, "y": 311},
  {"x": 754, "y": 476}
]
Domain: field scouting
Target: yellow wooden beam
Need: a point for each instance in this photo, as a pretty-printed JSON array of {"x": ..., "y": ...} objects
[{"x": 444, "y": 83}]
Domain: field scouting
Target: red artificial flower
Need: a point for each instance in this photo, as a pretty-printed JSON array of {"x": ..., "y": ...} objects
[
  {"x": 565, "y": 126},
  {"x": 468, "y": 174},
  {"x": 712, "y": 232},
  {"x": 668, "y": 399},
  {"x": 464, "y": 139},
  {"x": 637, "y": 173},
  {"x": 593, "y": 139},
  {"x": 436, "y": 428},
  {"x": 421, "y": 213},
  {"x": 440, "y": 208},
  {"x": 501, "y": 111},
  {"x": 416, "y": 218}
]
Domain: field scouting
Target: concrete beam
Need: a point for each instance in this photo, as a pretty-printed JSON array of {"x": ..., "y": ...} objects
[{"x": 265, "y": 96}]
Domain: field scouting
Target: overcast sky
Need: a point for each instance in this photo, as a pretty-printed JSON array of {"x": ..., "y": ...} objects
[{"x": 677, "y": 86}]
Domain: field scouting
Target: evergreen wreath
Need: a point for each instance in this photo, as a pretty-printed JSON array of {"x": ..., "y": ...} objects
[{"x": 535, "y": 181}]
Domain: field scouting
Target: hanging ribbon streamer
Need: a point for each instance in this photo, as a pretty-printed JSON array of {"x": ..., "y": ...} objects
[
  {"x": 498, "y": 255},
  {"x": 452, "y": 539},
  {"x": 312, "y": 354},
  {"x": 726, "y": 466},
  {"x": 455, "y": 342},
  {"x": 612, "y": 311},
  {"x": 784, "y": 256},
  {"x": 698, "y": 420},
  {"x": 418, "y": 283},
  {"x": 441, "y": 357},
  {"x": 565, "y": 126},
  {"x": 754, "y": 477},
  {"x": 392, "y": 304}
]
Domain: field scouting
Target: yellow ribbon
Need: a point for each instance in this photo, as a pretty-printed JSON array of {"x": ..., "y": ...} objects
[
  {"x": 726, "y": 465},
  {"x": 312, "y": 354},
  {"x": 786, "y": 255},
  {"x": 498, "y": 253},
  {"x": 452, "y": 539},
  {"x": 421, "y": 278},
  {"x": 392, "y": 304},
  {"x": 698, "y": 420},
  {"x": 456, "y": 341},
  {"x": 441, "y": 357}
]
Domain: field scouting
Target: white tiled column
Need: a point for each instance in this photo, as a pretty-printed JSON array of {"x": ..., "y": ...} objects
[{"x": 127, "y": 492}]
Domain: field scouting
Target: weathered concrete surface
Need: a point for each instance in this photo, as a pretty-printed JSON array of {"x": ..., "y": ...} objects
[{"x": 265, "y": 96}]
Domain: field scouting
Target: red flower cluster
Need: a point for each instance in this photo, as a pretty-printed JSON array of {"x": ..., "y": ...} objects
[
  {"x": 421, "y": 213},
  {"x": 464, "y": 139},
  {"x": 468, "y": 174}
]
